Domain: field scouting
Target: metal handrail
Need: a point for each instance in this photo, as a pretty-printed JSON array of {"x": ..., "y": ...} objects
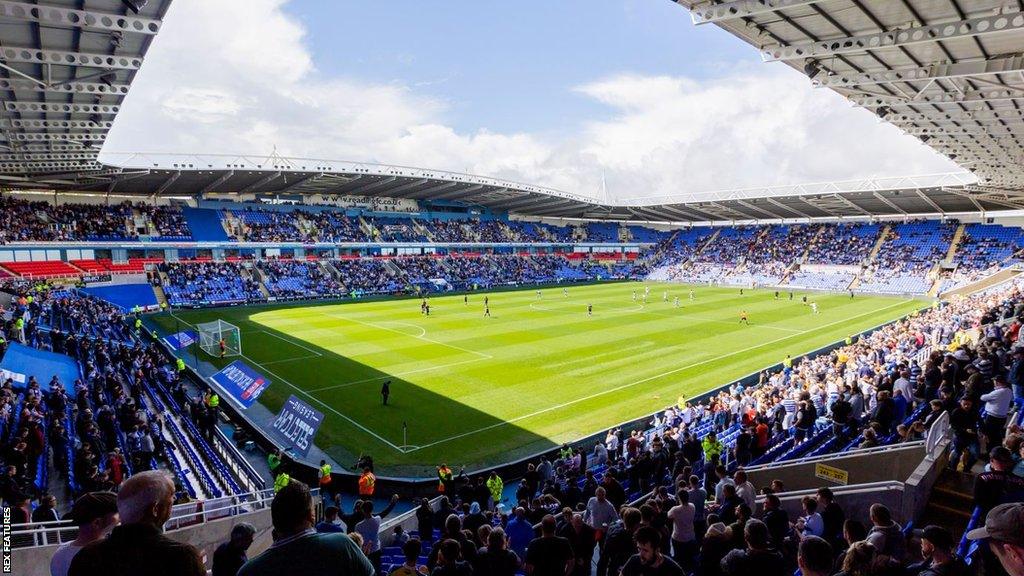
[
  {"x": 834, "y": 455},
  {"x": 938, "y": 432},
  {"x": 182, "y": 516}
]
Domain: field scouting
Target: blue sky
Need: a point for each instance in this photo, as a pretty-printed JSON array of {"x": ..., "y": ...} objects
[
  {"x": 511, "y": 66},
  {"x": 568, "y": 94}
]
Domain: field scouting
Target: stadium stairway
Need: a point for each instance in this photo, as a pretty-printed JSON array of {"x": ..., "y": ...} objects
[
  {"x": 882, "y": 237},
  {"x": 161, "y": 298},
  {"x": 954, "y": 245},
  {"x": 256, "y": 274},
  {"x": 807, "y": 251},
  {"x": 421, "y": 229},
  {"x": 989, "y": 281},
  {"x": 711, "y": 240},
  {"x": 951, "y": 502}
]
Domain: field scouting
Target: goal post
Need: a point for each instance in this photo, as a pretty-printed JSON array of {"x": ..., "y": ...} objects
[{"x": 212, "y": 333}]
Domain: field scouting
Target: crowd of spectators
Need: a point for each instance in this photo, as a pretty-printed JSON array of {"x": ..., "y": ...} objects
[
  {"x": 298, "y": 279},
  {"x": 196, "y": 283},
  {"x": 169, "y": 221},
  {"x": 22, "y": 221},
  {"x": 331, "y": 226},
  {"x": 843, "y": 244}
]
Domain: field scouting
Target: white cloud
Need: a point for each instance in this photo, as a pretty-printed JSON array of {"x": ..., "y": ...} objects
[{"x": 235, "y": 76}]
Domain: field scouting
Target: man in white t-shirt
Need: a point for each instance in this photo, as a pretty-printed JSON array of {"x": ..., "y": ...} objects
[
  {"x": 95, "y": 514},
  {"x": 684, "y": 537},
  {"x": 744, "y": 489}
]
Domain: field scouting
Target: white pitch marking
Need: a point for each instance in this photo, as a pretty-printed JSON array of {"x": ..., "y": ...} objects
[
  {"x": 424, "y": 338},
  {"x": 288, "y": 340},
  {"x": 327, "y": 406},
  {"x": 641, "y": 381},
  {"x": 395, "y": 375}
]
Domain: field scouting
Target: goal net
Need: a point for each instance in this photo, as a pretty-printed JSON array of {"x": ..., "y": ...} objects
[{"x": 212, "y": 334}]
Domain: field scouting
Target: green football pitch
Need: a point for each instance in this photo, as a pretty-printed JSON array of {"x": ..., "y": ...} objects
[{"x": 478, "y": 391}]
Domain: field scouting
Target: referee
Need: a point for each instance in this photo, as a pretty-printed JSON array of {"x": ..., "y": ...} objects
[{"x": 385, "y": 391}]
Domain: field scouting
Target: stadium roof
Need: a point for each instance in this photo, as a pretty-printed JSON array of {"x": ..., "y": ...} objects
[
  {"x": 66, "y": 66},
  {"x": 949, "y": 72}
]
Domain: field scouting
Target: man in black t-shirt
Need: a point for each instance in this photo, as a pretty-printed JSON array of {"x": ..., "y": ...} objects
[
  {"x": 649, "y": 561},
  {"x": 549, "y": 555},
  {"x": 999, "y": 485}
]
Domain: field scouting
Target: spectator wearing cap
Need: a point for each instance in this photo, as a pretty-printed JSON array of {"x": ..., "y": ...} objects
[
  {"x": 230, "y": 556},
  {"x": 298, "y": 548},
  {"x": 997, "y": 406},
  {"x": 999, "y": 484},
  {"x": 939, "y": 559},
  {"x": 95, "y": 515},
  {"x": 1004, "y": 532},
  {"x": 138, "y": 545}
]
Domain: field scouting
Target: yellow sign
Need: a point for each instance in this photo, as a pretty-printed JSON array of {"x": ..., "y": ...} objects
[{"x": 836, "y": 475}]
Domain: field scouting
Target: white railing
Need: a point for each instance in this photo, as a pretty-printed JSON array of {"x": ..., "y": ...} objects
[
  {"x": 834, "y": 455},
  {"x": 938, "y": 432},
  {"x": 869, "y": 487},
  {"x": 182, "y": 516}
]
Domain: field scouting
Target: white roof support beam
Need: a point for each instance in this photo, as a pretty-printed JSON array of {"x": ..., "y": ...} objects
[
  {"x": 929, "y": 201},
  {"x": 889, "y": 203},
  {"x": 61, "y": 17},
  {"x": 851, "y": 204},
  {"x": 167, "y": 184},
  {"x": 951, "y": 130},
  {"x": 782, "y": 206},
  {"x": 758, "y": 209},
  {"x": 708, "y": 12},
  {"x": 895, "y": 38},
  {"x": 12, "y": 54},
  {"x": 47, "y": 156},
  {"x": 260, "y": 183},
  {"x": 434, "y": 190},
  {"x": 456, "y": 193},
  {"x": 956, "y": 115},
  {"x": 51, "y": 107},
  {"x": 1004, "y": 65},
  {"x": 372, "y": 185},
  {"x": 684, "y": 213},
  {"x": 212, "y": 186},
  {"x": 69, "y": 87},
  {"x": 414, "y": 184},
  {"x": 41, "y": 137},
  {"x": 808, "y": 200},
  {"x": 44, "y": 166},
  {"x": 301, "y": 182},
  {"x": 61, "y": 124},
  {"x": 981, "y": 95}
]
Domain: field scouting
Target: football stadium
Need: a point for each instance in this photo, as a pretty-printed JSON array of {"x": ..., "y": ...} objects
[{"x": 700, "y": 316}]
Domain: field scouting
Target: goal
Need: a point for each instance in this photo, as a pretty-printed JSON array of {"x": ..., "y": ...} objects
[{"x": 211, "y": 334}]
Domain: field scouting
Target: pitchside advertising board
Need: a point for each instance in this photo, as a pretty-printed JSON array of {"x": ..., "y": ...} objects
[
  {"x": 239, "y": 381},
  {"x": 181, "y": 339},
  {"x": 296, "y": 425}
]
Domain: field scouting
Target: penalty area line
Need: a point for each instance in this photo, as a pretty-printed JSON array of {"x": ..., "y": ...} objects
[
  {"x": 327, "y": 406},
  {"x": 396, "y": 375}
]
